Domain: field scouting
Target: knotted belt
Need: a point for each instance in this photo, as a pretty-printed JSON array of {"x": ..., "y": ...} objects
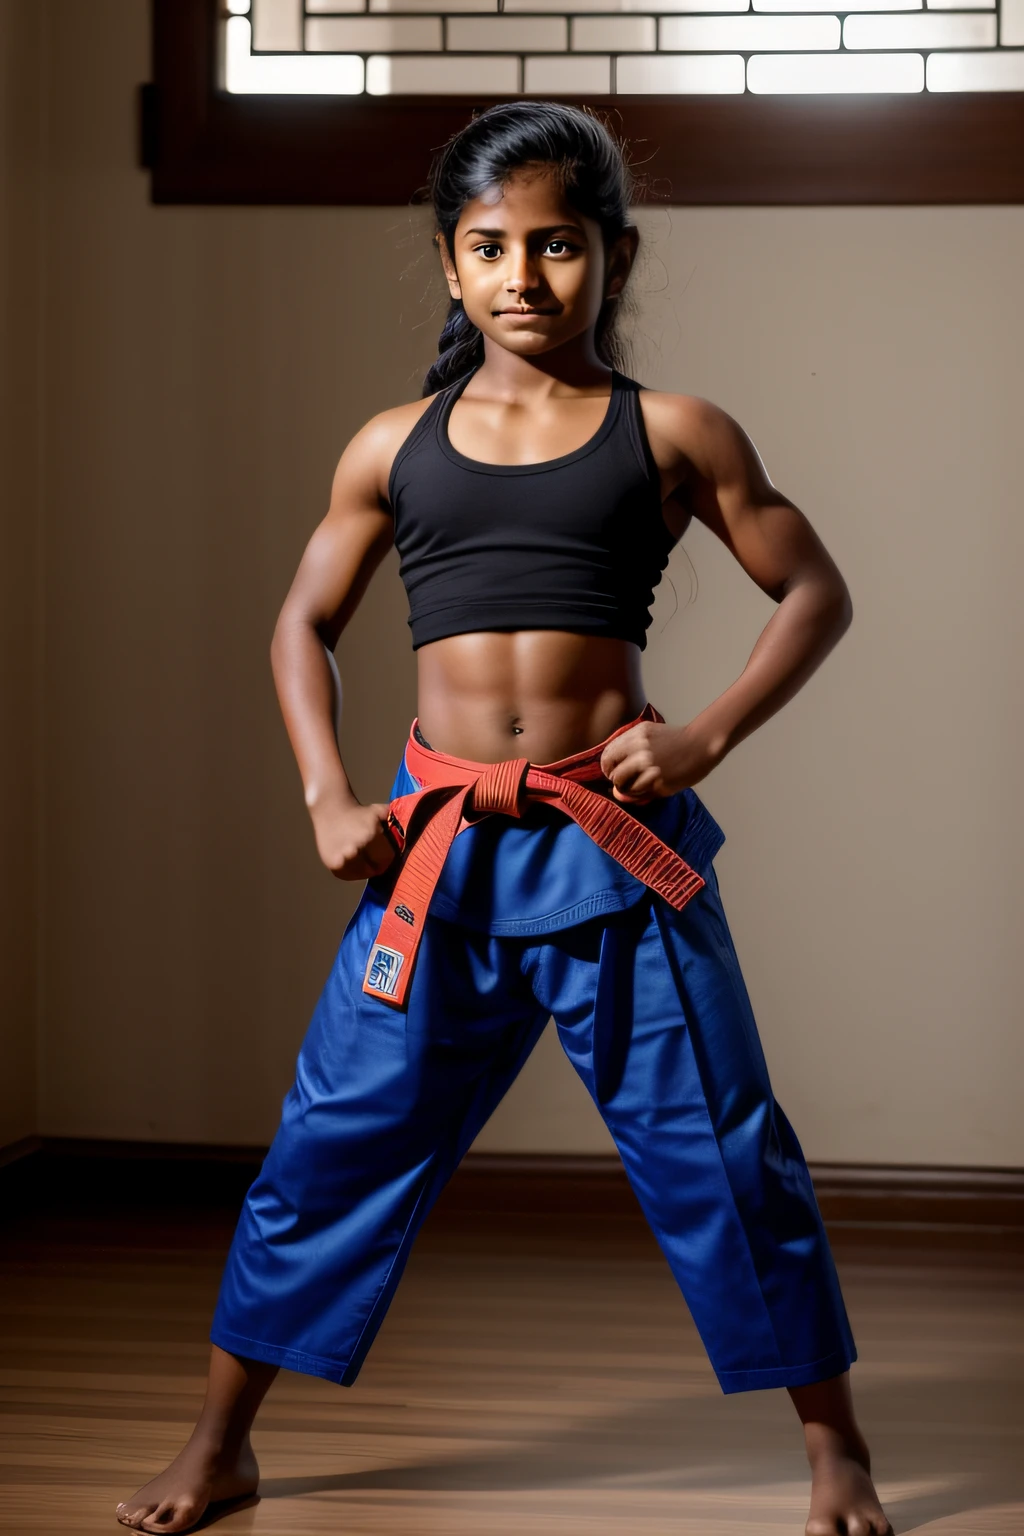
[{"x": 457, "y": 792}]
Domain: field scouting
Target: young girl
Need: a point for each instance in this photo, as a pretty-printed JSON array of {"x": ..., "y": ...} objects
[{"x": 543, "y": 852}]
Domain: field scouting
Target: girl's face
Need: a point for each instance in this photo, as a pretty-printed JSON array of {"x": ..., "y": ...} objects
[{"x": 532, "y": 272}]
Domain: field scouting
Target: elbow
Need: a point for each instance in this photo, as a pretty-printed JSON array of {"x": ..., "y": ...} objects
[
  {"x": 287, "y": 622},
  {"x": 275, "y": 638},
  {"x": 844, "y": 610},
  {"x": 293, "y": 622},
  {"x": 834, "y": 603},
  {"x": 828, "y": 598},
  {"x": 833, "y": 610}
]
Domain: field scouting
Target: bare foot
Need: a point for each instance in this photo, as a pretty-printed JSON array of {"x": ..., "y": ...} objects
[
  {"x": 202, "y": 1474},
  {"x": 843, "y": 1497}
]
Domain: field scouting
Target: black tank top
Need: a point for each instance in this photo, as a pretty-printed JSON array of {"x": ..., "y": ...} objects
[{"x": 575, "y": 543}]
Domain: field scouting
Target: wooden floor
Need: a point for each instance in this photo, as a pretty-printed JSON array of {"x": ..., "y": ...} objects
[{"x": 535, "y": 1379}]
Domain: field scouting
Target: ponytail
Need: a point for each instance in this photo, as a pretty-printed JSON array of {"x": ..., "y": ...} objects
[{"x": 460, "y": 349}]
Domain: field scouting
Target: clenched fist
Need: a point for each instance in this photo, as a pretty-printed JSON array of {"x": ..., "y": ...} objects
[
  {"x": 653, "y": 760},
  {"x": 352, "y": 841}
]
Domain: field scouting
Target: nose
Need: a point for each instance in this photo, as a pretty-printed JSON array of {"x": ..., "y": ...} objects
[{"x": 519, "y": 274}]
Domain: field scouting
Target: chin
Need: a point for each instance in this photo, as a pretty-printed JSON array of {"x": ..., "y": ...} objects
[{"x": 526, "y": 343}]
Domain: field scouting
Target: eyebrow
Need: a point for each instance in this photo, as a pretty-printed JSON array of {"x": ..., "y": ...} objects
[{"x": 548, "y": 229}]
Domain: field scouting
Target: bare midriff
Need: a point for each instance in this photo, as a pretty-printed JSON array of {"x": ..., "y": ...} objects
[{"x": 540, "y": 694}]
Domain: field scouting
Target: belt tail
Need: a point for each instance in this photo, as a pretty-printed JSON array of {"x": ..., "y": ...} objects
[
  {"x": 393, "y": 953},
  {"x": 628, "y": 841}
]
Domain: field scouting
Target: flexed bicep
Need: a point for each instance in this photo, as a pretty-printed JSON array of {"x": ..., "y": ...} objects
[
  {"x": 346, "y": 546},
  {"x": 733, "y": 495},
  {"x": 717, "y": 474}
]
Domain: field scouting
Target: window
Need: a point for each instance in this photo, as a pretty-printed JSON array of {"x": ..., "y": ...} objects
[
  {"x": 597, "y": 48},
  {"x": 722, "y": 101}
]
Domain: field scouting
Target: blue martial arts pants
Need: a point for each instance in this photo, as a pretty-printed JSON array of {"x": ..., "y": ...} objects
[{"x": 651, "y": 1008}]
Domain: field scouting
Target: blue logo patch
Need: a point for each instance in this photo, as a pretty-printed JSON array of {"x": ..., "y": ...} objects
[{"x": 382, "y": 971}]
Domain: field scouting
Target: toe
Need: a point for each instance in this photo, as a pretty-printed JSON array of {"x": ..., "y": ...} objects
[
  {"x": 172, "y": 1516},
  {"x": 134, "y": 1517},
  {"x": 158, "y": 1519}
]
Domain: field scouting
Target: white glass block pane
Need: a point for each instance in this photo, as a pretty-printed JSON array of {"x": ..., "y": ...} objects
[
  {"x": 238, "y": 7},
  {"x": 617, "y": 34},
  {"x": 816, "y": 74},
  {"x": 374, "y": 34},
  {"x": 433, "y": 7},
  {"x": 526, "y": 34},
  {"x": 554, "y": 76},
  {"x": 841, "y": 5},
  {"x": 926, "y": 31},
  {"x": 349, "y": 6},
  {"x": 1011, "y": 30},
  {"x": 955, "y": 5},
  {"x": 442, "y": 75},
  {"x": 624, "y": 7},
  {"x": 976, "y": 72},
  {"x": 297, "y": 74},
  {"x": 277, "y": 24},
  {"x": 664, "y": 75},
  {"x": 690, "y": 33}
]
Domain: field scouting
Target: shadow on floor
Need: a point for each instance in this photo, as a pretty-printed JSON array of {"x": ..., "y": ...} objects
[{"x": 927, "y": 1436}]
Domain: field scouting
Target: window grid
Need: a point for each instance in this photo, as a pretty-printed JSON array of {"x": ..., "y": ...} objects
[{"x": 595, "y": 48}]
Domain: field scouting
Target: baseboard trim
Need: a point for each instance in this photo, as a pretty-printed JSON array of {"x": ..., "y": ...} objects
[
  {"x": 866, "y": 1195},
  {"x": 851, "y": 1195}
]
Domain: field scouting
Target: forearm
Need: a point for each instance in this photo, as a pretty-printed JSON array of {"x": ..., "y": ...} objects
[
  {"x": 306, "y": 691},
  {"x": 808, "y": 622}
]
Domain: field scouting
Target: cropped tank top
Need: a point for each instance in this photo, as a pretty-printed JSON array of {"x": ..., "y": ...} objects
[{"x": 575, "y": 543}]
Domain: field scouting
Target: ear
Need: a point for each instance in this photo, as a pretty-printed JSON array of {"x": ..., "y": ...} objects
[
  {"x": 619, "y": 261},
  {"x": 451, "y": 276}
]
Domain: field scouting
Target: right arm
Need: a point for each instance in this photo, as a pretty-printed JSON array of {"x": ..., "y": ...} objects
[{"x": 339, "y": 560}]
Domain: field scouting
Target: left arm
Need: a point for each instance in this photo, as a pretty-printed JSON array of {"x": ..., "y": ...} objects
[{"x": 710, "y": 466}]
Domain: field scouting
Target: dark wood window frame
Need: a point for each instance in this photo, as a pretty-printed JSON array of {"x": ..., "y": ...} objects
[{"x": 205, "y": 146}]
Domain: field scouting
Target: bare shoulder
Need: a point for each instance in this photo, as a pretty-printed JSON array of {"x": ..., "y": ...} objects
[
  {"x": 389, "y": 429},
  {"x": 701, "y": 448},
  {"x": 370, "y": 453},
  {"x": 687, "y": 426}
]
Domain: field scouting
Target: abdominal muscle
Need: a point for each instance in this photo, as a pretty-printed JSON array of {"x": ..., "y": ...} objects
[{"x": 541, "y": 694}]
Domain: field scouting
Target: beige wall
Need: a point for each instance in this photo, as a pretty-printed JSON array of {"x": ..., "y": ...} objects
[
  {"x": 203, "y": 368},
  {"x": 20, "y": 420}
]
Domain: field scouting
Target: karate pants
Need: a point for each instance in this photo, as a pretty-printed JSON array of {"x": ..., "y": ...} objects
[{"x": 651, "y": 1009}]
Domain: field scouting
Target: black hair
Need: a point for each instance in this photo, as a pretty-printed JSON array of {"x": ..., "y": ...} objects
[{"x": 485, "y": 153}]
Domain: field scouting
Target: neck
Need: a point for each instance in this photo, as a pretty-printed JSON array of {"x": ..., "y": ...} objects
[{"x": 574, "y": 368}]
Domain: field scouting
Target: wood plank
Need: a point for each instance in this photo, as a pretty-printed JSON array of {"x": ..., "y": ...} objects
[{"x": 542, "y": 1378}]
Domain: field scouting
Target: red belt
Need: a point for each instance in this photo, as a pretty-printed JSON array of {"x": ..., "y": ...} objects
[{"x": 456, "y": 792}]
